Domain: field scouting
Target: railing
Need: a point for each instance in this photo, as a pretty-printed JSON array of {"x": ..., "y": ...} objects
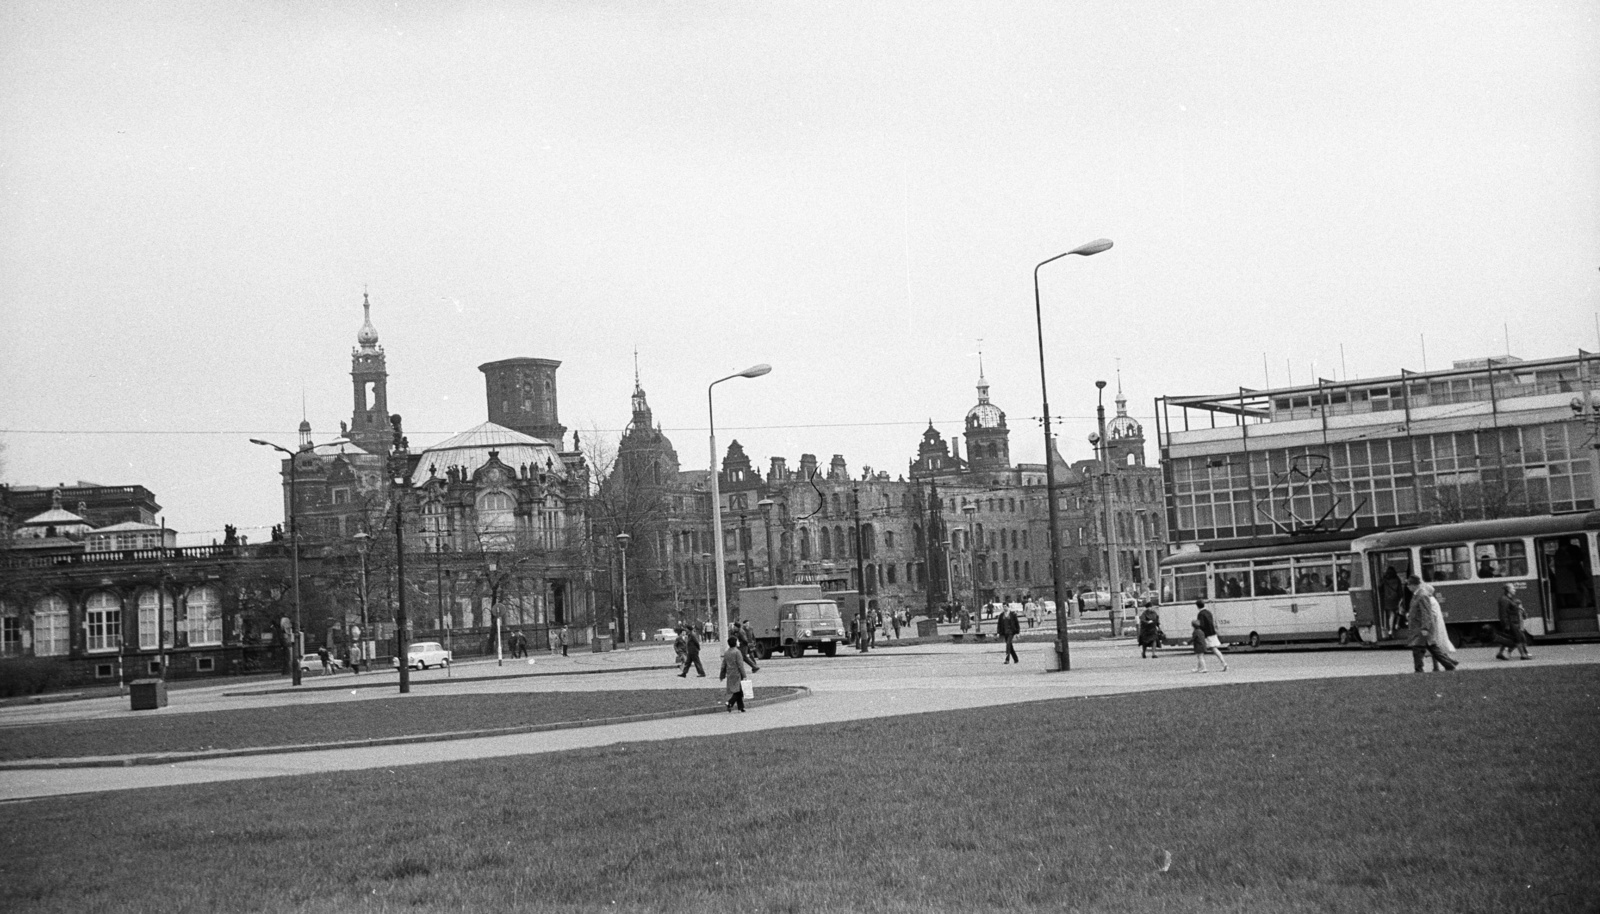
[{"x": 124, "y": 556}]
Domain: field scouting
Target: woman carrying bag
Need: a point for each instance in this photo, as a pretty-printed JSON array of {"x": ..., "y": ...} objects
[{"x": 736, "y": 674}]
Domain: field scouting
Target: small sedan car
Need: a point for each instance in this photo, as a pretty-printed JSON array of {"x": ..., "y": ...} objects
[
  {"x": 423, "y": 654},
  {"x": 666, "y": 634},
  {"x": 309, "y": 662}
]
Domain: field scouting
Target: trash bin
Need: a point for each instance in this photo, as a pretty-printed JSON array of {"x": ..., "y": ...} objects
[
  {"x": 148, "y": 694},
  {"x": 927, "y": 628},
  {"x": 602, "y": 643}
]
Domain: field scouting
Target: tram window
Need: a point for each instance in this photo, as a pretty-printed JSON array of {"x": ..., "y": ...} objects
[
  {"x": 1502, "y": 560},
  {"x": 1231, "y": 579},
  {"x": 1272, "y": 580},
  {"x": 1446, "y": 563},
  {"x": 1313, "y": 574},
  {"x": 1188, "y": 583},
  {"x": 1342, "y": 567}
]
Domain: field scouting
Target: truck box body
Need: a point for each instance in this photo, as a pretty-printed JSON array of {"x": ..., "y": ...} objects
[{"x": 790, "y": 618}]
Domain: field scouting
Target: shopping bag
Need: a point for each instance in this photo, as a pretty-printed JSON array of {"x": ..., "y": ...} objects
[{"x": 748, "y": 688}]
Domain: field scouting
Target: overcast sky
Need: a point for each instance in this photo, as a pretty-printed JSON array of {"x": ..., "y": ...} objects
[{"x": 195, "y": 197}]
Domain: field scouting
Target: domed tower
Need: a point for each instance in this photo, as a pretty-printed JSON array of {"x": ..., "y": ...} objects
[
  {"x": 1124, "y": 434},
  {"x": 645, "y": 452},
  {"x": 988, "y": 439},
  {"x": 369, "y": 379}
]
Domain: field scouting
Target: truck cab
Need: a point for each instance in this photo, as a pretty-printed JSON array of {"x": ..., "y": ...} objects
[{"x": 810, "y": 623}]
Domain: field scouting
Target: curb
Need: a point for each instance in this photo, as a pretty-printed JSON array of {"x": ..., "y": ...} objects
[
  {"x": 348, "y": 682},
  {"x": 168, "y": 758}
]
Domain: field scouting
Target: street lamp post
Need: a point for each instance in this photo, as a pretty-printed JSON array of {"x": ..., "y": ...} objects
[
  {"x": 622, "y": 546},
  {"x": 754, "y": 371},
  {"x": 398, "y": 476},
  {"x": 296, "y": 639},
  {"x": 863, "y": 630},
  {"x": 1062, "y": 651},
  {"x": 765, "y": 505},
  {"x": 1112, "y": 571},
  {"x": 705, "y": 575},
  {"x": 971, "y": 510},
  {"x": 363, "y": 546}
]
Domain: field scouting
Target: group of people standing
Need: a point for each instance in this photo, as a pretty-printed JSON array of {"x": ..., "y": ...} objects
[{"x": 738, "y": 661}]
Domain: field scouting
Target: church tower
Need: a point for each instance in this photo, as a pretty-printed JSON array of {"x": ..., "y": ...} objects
[
  {"x": 369, "y": 378},
  {"x": 522, "y": 397},
  {"x": 1125, "y": 444},
  {"x": 988, "y": 439}
]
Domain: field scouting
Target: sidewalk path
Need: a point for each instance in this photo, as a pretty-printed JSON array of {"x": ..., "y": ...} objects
[{"x": 915, "y": 679}]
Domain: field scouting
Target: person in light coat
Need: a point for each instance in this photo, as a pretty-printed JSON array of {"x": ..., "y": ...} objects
[
  {"x": 734, "y": 672},
  {"x": 1428, "y": 635}
]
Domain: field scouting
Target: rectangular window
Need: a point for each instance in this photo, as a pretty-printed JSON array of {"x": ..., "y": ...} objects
[
  {"x": 10, "y": 631},
  {"x": 1231, "y": 579},
  {"x": 104, "y": 671},
  {"x": 1446, "y": 563},
  {"x": 105, "y": 629},
  {"x": 1271, "y": 577},
  {"x": 1507, "y": 559},
  {"x": 1313, "y": 574},
  {"x": 1183, "y": 584},
  {"x": 205, "y": 664}
]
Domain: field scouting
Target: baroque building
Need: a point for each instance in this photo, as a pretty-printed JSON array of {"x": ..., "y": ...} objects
[{"x": 950, "y": 530}]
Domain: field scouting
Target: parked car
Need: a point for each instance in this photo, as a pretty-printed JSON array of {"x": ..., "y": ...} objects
[
  {"x": 666, "y": 634},
  {"x": 309, "y": 662},
  {"x": 1094, "y": 599},
  {"x": 423, "y": 654}
]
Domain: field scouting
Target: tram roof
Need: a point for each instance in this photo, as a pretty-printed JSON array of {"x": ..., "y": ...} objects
[
  {"x": 1480, "y": 530},
  {"x": 1318, "y": 547}
]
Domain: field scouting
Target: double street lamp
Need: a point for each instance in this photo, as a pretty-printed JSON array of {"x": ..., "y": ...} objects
[
  {"x": 296, "y": 639},
  {"x": 754, "y": 371},
  {"x": 1093, "y": 247}
]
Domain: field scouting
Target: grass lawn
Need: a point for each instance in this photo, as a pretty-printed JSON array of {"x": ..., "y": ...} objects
[
  {"x": 1472, "y": 791},
  {"x": 322, "y": 723}
]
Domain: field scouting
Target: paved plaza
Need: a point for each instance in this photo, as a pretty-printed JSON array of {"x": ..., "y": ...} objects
[{"x": 911, "y": 679}]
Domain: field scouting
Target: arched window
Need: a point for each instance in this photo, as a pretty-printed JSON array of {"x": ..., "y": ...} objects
[
  {"x": 103, "y": 620},
  {"x": 869, "y": 541},
  {"x": 203, "y": 617},
  {"x": 892, "y": 571},
  {"x": 50, "y": 636},
  {"x": 154, "y": 609},
  {"x": 916, "y": 537},
  {"x": 827, "y": 544},
  {"x": 836, "y": 508},
  {"x": 888, "y": 539},
  {"x": 805, "y": 545}
]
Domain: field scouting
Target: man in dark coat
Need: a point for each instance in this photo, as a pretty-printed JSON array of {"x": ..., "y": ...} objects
[
  {"x": 1512, "y": 616},
  {"x": 691, "y": 654},
  {"x": 1008, "y": 628}
]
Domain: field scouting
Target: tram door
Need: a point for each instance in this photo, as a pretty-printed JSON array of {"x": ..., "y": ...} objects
[
  {"x": 1567, "y": 579},
  {"x": 1388, "y": 570}
]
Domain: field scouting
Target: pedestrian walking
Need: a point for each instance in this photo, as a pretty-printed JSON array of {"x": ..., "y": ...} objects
[
  {"x": 1512, "y": 624},
  {"x": 1197, "y": 642},
  {"x": 1208, "y": 626},
  {"x": 561, "y": 634},
  {"x": 1008, "y": 627},
  {"x": 349, "y": 661},
  {"x": 326, "y": 658},
  {"x": 966, "y": 620},
  {"x": 677, "y": 648},
  {"x": 897, "y": 620},
  {"x": 734, "y": 673},
  {"x": 1427, "y": 631},
  {"x": 691, "y": 654},
  {"x": 1149, "y": 632}
]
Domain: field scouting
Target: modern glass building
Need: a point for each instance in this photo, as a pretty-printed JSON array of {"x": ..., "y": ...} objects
[{"x": 1486, "y": 438}]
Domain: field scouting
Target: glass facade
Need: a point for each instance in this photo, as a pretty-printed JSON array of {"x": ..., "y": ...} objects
[{"x": 1376, "y": 483}]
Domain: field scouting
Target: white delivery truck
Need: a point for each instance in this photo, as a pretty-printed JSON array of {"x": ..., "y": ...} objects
[{"x": 790, "y": 618}]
